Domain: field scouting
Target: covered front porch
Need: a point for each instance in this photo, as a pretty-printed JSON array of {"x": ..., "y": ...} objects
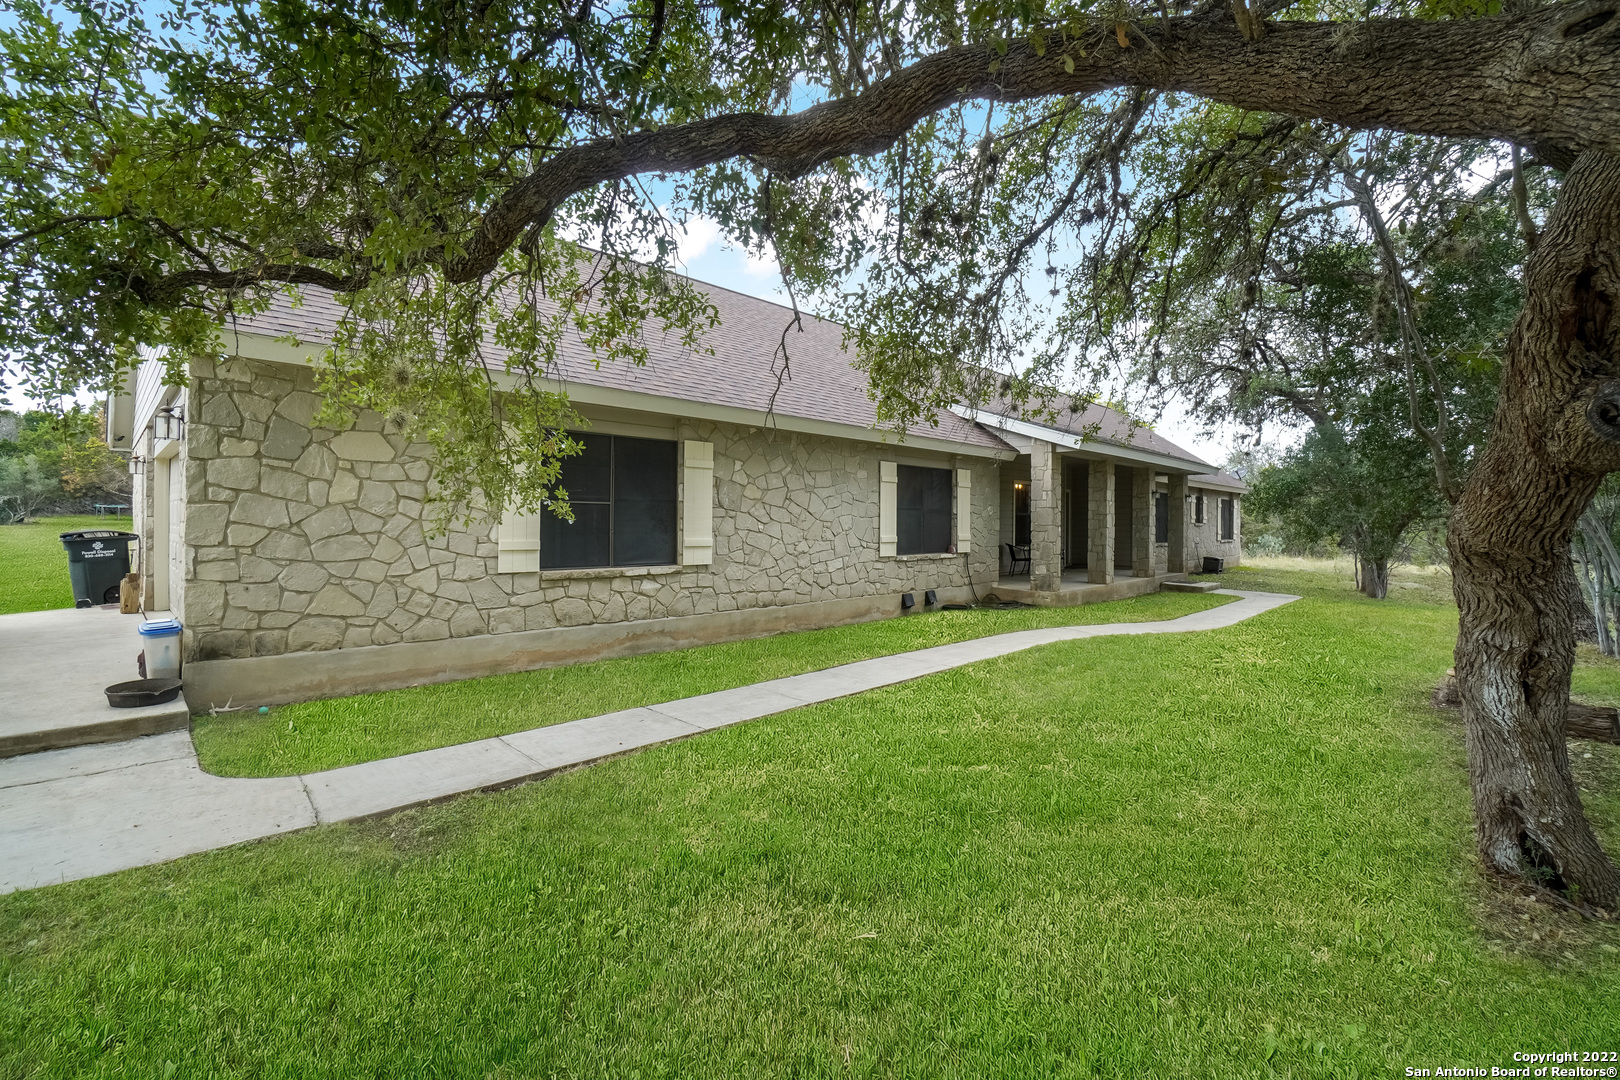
[{"x": 1087, "y": 525}]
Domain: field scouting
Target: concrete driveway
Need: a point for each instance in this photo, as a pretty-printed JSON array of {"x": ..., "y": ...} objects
[{"x": 54, "y": 666}]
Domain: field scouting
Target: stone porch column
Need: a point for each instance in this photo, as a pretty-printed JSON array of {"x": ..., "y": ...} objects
[
  {"x": 1142, "y": 530},
  {"x": 1100, "y": 523},
  {"x": 1045, "y": 511},
  {"x": 1177, "y": 563}
]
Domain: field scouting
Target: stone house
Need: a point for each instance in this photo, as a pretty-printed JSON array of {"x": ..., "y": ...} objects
[{"x": 710, "y": 503}]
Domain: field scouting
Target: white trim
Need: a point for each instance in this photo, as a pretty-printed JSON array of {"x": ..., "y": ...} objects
[
  {"x": 261, "y": 347},
  {"x": 964, "y": 511},
  {"x": 517, "y": 544},
  {"x": 888, "y": 509},
  {"x": 164, "y": 460},
  {"x": 697, "y": 503},
  {"x": 1076, "y": 442},
  {"x": 1240, "y": 488}
]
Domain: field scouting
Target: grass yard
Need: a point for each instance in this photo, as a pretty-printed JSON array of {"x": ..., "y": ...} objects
[
  {"x": 33, "y": 566},
  {"x": 1244, "y": 853},
  {"x": 343, "y": 731}
]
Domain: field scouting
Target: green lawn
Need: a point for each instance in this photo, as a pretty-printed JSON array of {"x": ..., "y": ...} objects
[
  {"x": 1244, "y": 853},
  {"x": 343, "y": 731},
  {"x": 33, "y": 566}
]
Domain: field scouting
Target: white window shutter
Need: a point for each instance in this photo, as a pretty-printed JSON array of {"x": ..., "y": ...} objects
[
  {"x": 964, "y": 511},
  {"x": 697, "y": 516},
  {"x": 517, "y": 542},
  {"x": 888, "y": 508}
]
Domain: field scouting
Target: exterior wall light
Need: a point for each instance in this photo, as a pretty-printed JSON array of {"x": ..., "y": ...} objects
[{"x": 170, "y": 422}]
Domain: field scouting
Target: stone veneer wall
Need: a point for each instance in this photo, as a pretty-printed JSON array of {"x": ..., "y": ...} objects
[
  {"x": 1206, "y": 539},
  {"x": 306, "y": 539}
]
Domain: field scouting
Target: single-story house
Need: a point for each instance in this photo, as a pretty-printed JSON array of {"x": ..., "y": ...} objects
[{"x": 710, "y": 504}]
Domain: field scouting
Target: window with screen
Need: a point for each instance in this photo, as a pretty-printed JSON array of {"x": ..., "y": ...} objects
[
  {"x": 1161, "y": 518},
  {"x": 1021, "y": 515},
  {"x": 923, "y": 510},
  {"x": 1227, "y": 516},
  {"x": 622, "y": 491},
  {"x": 1198, "y": 509}
]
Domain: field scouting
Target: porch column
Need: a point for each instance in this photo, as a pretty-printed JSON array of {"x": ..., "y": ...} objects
[
  {"x": 1179, "y": 510},
  {"x": 1142, "y": 522},
  {"x": 1100, "y": 522},
  {"x": 1045, "y": 526}
]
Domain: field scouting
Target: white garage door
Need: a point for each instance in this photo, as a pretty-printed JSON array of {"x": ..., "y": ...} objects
[{"x": 177, "y": 529}]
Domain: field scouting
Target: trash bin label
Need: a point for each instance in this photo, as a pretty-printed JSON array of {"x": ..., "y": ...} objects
[{"x": 98, "y": 550}]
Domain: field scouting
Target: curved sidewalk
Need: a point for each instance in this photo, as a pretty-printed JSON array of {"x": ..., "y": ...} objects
[{"x": 77, "y": 813}]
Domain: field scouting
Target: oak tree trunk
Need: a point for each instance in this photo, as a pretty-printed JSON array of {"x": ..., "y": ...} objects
[
  {"x": 1555, "y": 435},
  {"x": 1374, "y": 577}
]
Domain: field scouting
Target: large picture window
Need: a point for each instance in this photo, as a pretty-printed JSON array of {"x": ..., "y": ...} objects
[
  {"x": 923, "y": 510},
  {"x": 622, "y": 491}
]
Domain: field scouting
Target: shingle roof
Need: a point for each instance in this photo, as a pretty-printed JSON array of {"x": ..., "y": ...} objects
[
  {"x": 1091, "y": 421},
  {"x": 1219, "y": 479},
  {"x": 737, "y": 370}
]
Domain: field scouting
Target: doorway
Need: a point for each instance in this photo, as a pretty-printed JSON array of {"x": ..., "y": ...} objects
[
  {"x": 1076, "y": 507},
  {"x": 1124, "y": 484}
]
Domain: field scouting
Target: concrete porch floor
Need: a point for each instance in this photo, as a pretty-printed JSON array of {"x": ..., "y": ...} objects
[
  {"x": 1075, "y": 589},
  {"x": 56, "y": 665}
]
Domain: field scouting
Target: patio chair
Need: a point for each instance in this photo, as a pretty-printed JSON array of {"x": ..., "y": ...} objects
[{"x": 1017, "y": 557}]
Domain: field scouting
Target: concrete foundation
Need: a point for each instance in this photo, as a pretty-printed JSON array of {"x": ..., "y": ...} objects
[
  {"x": 1076, "y": 590},
  {"x": 275, "y": 680}
]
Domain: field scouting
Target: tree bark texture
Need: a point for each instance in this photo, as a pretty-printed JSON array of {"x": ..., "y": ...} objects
[
  {"x": 1545, "y": 79},
  {"x": 1555, "y": 435},
  {"x": 1374, "y": 576}
]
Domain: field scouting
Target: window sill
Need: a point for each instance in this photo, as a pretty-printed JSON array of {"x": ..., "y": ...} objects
[
  {"x": 926, "y": 556},
  {"x": 593, "y": 573}
]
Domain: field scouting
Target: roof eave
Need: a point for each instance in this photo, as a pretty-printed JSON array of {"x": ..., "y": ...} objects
[
  {"x": 1105, "y": 448},
  {"x": 252, "y": 346}
]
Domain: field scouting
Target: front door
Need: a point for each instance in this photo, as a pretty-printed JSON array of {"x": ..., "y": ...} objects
[
  {"x": 1076, "y": 536},
  {"x": 1124, "y": 481}
]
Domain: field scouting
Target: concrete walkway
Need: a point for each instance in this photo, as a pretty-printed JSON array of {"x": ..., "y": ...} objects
[
  {"x": 56, "y": 665},
  {"x": 76, "y": 813}
]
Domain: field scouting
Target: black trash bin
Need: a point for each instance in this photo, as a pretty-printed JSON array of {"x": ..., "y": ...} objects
[
  {"x": 98, "y": 559},
  {"x": 1213, "y": 565}
]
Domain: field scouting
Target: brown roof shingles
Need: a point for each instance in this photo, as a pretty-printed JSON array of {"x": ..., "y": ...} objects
[{"x": 735, "y": 363}]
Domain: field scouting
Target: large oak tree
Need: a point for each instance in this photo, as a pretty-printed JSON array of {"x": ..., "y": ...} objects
[{"x": 428, "y": 161}]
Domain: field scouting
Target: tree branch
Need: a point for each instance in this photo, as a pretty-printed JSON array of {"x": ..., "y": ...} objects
[{"x": 1537, "y": 79}]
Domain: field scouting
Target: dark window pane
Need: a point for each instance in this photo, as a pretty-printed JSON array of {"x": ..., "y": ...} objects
[
  {"x": 1161, "y": 518},
  {"x": 924, "y": 510},
  {"x": 1226, "y": 519},
  {"x": 644, "y": 533},
  {"x": 1021, "y": 515},
  {"x": 587, "y": 477},
  {"x": 643, "y": 502},
  {"x": 643, "y": 469},
  {"x": 582, "y": 543}
]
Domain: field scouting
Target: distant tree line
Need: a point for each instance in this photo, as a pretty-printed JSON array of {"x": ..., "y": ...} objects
[{"x": 57, "y": 462}]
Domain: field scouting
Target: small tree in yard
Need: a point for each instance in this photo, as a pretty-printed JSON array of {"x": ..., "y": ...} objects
[
  {"x": 25, "y": 488},
  {"x": 428, "y": 162},
  {"x": 1361, "y": 490},
  {"x": 1597, "y": 564},
  {"x": 61, "y": 456}
]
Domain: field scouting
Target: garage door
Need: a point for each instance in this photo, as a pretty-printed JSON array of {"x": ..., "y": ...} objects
[{"x": 177, "y": 529}]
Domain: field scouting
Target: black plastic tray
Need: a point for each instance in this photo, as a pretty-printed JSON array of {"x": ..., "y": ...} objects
[{"x": 138, "y": 692}]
